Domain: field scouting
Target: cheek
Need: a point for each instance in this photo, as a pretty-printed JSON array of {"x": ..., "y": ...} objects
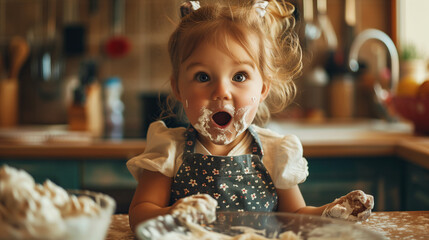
[
  {"x": 250, "y": 104},
  {"x": 252, "y": 113},
  {"x": 252, "y": 100},
  {"x": 192, "y": 106}
]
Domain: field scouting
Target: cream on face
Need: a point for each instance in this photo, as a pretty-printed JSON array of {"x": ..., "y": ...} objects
[{"x": 223, "y": 125}]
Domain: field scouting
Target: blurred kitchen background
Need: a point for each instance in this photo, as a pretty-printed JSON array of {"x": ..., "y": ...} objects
[
  {"x": 75, "y": 70},
  {"x": 118, "y": 48}
]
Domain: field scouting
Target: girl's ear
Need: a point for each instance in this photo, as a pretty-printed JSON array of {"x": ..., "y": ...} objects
[
  {"x": 175, "y": 88},
  {"x": 265, "y": 90}
]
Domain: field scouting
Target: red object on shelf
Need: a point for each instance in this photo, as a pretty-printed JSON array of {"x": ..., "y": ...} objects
[
  {"x": 415, "y": 110},
  {"x": 117, "y": 47}
]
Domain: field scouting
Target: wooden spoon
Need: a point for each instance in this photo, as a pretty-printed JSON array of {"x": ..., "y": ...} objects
[
  {"x": 9, "y": 88},
  {"x": 19, "y": 51}
]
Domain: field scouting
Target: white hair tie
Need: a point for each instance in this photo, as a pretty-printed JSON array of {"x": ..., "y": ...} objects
[
  {"x": 260, "y": 7},
  {"x": 188, "y": 7}
]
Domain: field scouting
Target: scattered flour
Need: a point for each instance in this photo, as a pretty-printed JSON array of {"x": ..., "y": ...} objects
[{"x": 399, "y": 225}]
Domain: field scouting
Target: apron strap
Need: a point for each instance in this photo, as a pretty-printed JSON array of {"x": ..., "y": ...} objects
[
  {"x": 190, "y": 139},
  {"x": 256, "y": 144}
]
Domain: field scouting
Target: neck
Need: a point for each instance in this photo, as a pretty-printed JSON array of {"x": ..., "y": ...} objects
[{"x": 220, "y": 149}]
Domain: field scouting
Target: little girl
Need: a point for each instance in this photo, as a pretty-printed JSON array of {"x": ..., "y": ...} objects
[{"x": 232, "y": 66}]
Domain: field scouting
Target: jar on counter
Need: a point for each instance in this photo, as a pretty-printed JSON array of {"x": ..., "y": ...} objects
[
  {"x": 314, "y": 93},
  {"x": 342, "y": 96}
]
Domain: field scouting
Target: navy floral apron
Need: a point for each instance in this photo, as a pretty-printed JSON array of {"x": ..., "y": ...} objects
[{"x": 238, "y": 183}]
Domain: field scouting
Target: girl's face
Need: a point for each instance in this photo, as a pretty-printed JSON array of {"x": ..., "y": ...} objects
[{"x": 220, "y": 93}]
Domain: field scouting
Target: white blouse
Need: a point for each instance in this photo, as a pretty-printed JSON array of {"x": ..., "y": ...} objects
[{"x": 283, "y": 155}]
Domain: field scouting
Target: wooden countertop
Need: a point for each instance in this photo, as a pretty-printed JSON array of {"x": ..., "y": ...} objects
[
  {"x": 392, "y": 225},
  {"x": 96, "y": 149},
  {"x": 319, "y": 140}
]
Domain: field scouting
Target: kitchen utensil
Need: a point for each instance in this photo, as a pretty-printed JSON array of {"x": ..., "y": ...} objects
[
  {"x": 19, "y": 51},
  {"x": 312, "y": 31},
  {"x": 47, "y": 57},
  {"x": 326, "y": 25},
  {"x": 349, "y": 24},
  {"x": 269, "y": 225},
  {"x": 117, "y": 45},
  {"x": 74, "y": 31}
]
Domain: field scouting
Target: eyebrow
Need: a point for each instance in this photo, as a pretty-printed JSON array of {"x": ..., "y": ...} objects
[
  {"x": 191, "y": 65},
  {"x": 249, "y": 63}
]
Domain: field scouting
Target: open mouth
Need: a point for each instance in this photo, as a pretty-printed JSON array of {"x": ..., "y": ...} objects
[{"x": 222, "y": 119}]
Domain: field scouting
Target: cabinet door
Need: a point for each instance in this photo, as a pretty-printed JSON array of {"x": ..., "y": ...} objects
[
  {"x": 331, "y": 178},
  {"x": 110, "y": 177},
  {"x": 417, "y": 188},
  {"x": 107, "y": 174},
  {"x": 64, "y": 173}
]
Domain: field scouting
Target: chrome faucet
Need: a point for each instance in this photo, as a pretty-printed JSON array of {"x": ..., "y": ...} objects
[{"x": 380, "y": 93}]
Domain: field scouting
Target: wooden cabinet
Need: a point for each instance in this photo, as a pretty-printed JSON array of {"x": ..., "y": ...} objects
[
  {"x": 65, "y": 173},
  {"x": 396, "y": 184},
  {"x": 108, "y": 176},
  {"x": 416, "y": 188},
  {"x": 333, "y": 177}
]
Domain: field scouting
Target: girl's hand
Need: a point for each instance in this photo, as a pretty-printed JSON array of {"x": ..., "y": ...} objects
[
  {"x": 355, "y": 206},
  {"x": 197, "y": 208}
]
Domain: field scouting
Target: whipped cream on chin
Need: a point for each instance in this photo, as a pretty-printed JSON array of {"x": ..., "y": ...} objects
[
  {"x": 33, "y": 211},
  {"x": 218, "y": 135}
]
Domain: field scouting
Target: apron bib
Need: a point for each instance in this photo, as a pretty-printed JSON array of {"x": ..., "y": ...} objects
[{"x": 238, "y": 183}]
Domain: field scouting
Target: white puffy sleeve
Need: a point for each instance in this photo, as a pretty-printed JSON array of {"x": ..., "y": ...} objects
[
  {"x": 164, "y": 149},
  {"x": 283, "y": 158}
]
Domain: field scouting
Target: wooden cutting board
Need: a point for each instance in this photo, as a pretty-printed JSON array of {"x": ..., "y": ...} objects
[{"x": 8, "y": 102}]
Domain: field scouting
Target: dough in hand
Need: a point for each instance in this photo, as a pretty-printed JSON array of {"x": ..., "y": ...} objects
[
  {"x": 355, "y": 206},
  {"x": 196, "y": 208}
]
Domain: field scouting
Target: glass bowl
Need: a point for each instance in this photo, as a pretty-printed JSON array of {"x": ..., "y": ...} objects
[
  {"x": 91, "y": 227},
  {"x": 83, "y": 219},
  {"x": 268, "y": 225},
  {"x": 415, "y": 110}
]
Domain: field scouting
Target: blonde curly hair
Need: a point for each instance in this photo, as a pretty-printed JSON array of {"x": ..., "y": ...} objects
[{"x": 278, "y": 58}]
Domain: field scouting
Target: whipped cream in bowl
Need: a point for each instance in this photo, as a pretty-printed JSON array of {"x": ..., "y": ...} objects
[
  {"x": 185, "y": 224},
  {"x": 29, "y": 210}
]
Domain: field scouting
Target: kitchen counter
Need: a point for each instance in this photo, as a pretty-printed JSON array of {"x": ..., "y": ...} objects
[
  {"x": 364, "y": 138},
  {"x": 393, "y": 225},
  {"x": 94, "y": 149}
]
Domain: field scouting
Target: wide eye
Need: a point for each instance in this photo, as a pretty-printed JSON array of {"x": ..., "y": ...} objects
[
  {"x": 202, "y": 77},
  {"x": 239, "y": 77}
]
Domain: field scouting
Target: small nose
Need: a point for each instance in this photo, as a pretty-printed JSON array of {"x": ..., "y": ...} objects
[{"x": 221, "y": 90}]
